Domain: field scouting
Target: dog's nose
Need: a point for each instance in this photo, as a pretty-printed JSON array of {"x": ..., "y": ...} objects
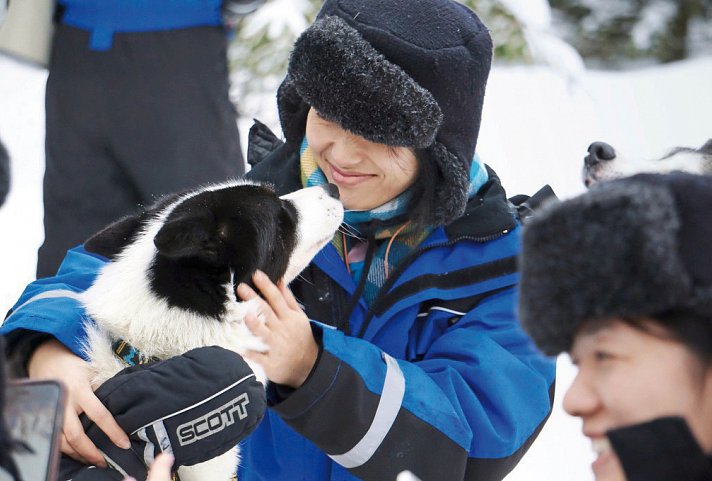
[
  {"x": 332, "y": 190},
  {"x": 599, "y": 152}
]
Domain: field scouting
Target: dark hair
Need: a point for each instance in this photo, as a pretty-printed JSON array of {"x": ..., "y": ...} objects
[{"x": 682, "y": 325}]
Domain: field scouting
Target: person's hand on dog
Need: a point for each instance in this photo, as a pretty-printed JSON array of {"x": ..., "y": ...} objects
[
  {"x": 51, "y": 360},
  {"x": 284, "y": 328}
]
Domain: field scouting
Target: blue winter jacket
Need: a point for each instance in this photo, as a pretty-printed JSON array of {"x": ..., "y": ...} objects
[
  {"x": 436, "y": 376},
  {"x": 103, "y": 18}
]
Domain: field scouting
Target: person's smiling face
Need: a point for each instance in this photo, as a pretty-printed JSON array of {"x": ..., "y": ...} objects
[
  {"x": 368, "y": 174},
  {"x": 627, "y": 376}
]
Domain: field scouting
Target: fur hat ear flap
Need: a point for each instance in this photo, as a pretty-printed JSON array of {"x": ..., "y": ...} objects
[
  {"x": 293, "y": 112},
  {"x": 451, "y": 196}
]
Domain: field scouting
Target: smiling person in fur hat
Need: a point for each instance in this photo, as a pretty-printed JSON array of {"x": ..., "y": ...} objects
[
  {"x": 621, "y": 278},
  {"x": 398, "y": 347}
]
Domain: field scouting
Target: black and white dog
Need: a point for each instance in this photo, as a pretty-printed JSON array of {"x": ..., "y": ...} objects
[
  {"x": 171, "y": 284},
  {"x": 603, "y": 162}
]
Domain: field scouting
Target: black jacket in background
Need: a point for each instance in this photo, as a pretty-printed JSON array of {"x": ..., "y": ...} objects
[
  {"x": 7, "y": 445},
  {"x": 4, "y": 173}
]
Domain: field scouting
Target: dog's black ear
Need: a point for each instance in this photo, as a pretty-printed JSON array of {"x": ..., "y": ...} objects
[
  {"x": 187, "y": 236},
  {"x": 112, "y": 239},
  {"x": 707, "y": 148},
  {"x": 109, "y": 241}
]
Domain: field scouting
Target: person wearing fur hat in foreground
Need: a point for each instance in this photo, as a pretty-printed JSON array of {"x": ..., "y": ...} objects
[
  {"x": 621, "y": 279},
  {"x": 398, "y": 347}
]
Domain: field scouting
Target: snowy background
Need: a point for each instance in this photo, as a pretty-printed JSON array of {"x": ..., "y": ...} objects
[{"x": 538, "y": 122}]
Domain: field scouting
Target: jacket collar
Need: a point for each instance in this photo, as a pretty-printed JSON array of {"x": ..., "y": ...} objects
[{"x": 488, "y": 213}]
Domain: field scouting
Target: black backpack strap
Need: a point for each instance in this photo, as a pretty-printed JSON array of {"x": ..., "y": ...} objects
[
  {"x": 261, "y": 142},
  {"x": 526, "y": 205}
]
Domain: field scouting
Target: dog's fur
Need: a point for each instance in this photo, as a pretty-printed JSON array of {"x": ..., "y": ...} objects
[
  {"x": 603, "y": 162},
  {"x": 171, "y": 284}
]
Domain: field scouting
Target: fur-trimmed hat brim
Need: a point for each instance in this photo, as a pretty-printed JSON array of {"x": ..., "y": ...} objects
[{"x": 338, "y": 73}]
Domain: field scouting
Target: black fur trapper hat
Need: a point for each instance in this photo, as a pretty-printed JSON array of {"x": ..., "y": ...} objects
[
  {"x": 399, "y": 72},
  {"x": 634, "y": 247}
]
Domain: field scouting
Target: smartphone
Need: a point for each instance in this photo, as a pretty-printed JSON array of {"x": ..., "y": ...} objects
[{"x": 34, "y": 412}]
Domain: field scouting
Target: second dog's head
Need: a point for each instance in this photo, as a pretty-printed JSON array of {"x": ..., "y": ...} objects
[{"x": 603, "y": 162}]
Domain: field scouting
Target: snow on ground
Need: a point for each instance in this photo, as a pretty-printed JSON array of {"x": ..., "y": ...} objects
[{"x": 536, "y": 128}]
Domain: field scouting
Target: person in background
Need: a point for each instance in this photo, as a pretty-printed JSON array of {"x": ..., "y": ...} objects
[
  {"x": 398, "y": 347},
  {"x": 621, "y": 279},
  {"x": 137, "y": 106}
]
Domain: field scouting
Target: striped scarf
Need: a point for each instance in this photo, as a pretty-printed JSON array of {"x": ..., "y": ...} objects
[{"x": 394, "y": 240}]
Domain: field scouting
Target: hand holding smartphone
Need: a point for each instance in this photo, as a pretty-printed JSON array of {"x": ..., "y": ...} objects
[{"x": 34, "y": 413}]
